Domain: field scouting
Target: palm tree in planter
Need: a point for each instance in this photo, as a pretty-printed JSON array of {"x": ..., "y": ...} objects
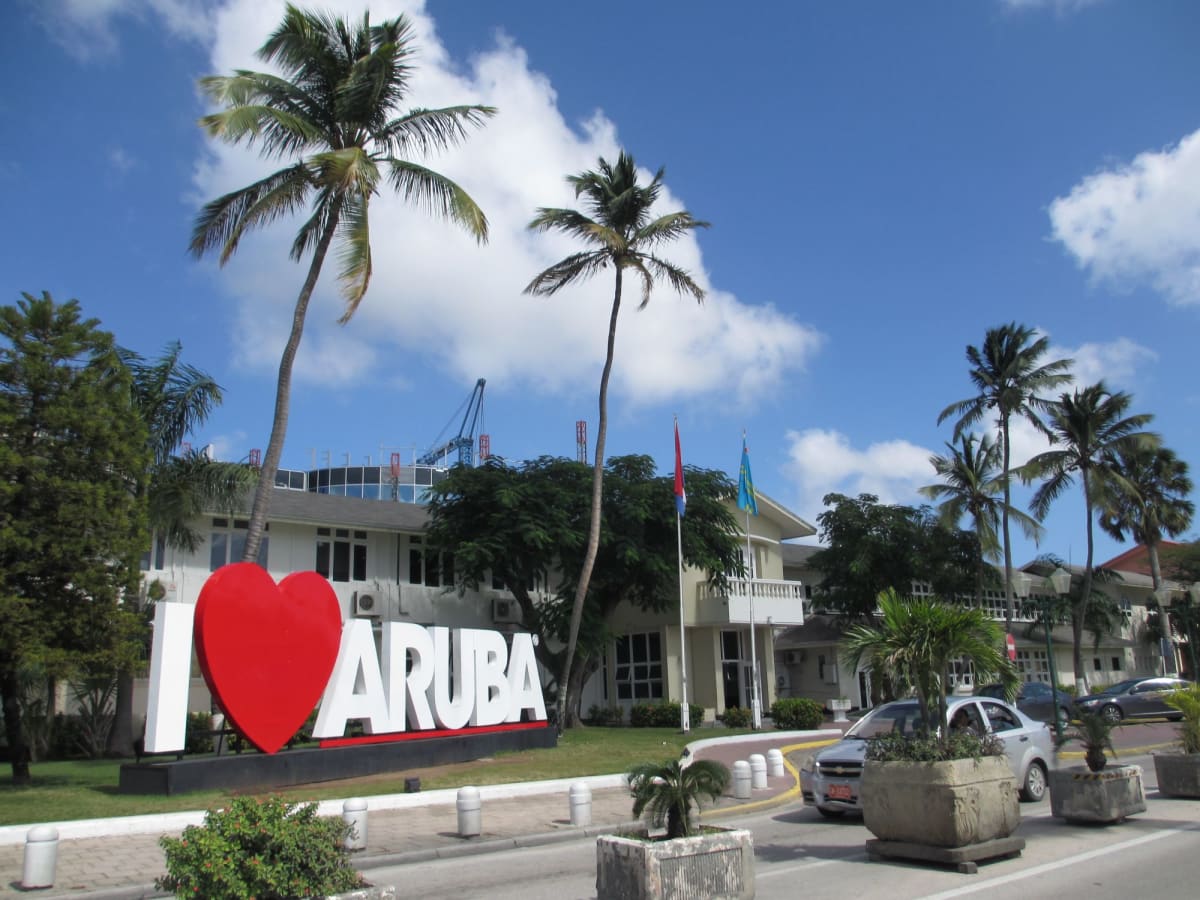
[
  {"x": 1095, "y": 792},
  {"x": 1179, "y": 773},
  {"x": 720, "y": 860},
  {"x": 952, "y": 797}
]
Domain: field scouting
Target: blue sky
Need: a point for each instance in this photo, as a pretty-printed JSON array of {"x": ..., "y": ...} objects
[{"x": 885, "y": 182}]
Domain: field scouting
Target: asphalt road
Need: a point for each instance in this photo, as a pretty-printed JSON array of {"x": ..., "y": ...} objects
[{"x": 1154, "y": 854}]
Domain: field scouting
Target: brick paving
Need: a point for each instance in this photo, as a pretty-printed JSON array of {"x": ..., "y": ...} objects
[{"x": 125, "y": 866}]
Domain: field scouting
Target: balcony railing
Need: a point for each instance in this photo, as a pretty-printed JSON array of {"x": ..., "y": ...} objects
[{"x": 779, "y": 602}]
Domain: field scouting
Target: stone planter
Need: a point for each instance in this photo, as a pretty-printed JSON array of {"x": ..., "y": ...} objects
[
  {"x": 840, "y": 708},
  {"x": 1079, "y": 795},
  {"x": 941, "y": 804},
  {"x": 1178, "y": 774},
  {"x": 718, "y": 864}
]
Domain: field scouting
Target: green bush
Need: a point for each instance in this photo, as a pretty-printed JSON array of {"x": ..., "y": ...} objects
[
  {"x": 736, "y": 717},
  {"x": 270, "y": 850},
  {"x": 662, "y": 715},
  {"x": 195, "y": 736},
  {"x": 894, "y": 747},
  {"x": 797, "y": 714},
  {"x": 609, "y": 716}
]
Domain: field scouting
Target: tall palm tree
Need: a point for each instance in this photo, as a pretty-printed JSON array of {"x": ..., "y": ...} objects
[
  {"x": 1089, "y": 428},
  {"x": 174, "y": 399},
  {"x": 333, "y": 112},
  {"x": 1157, "y": 504},
  {"x": 619, "y": 228},
  {"x": 914, "y": 642},
  {"x": 1010, "y": 379},
  {"x": 972, "y": 486}
]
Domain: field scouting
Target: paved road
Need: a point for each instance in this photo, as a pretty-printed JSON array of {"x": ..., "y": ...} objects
[{"x": 800, "y": 854}]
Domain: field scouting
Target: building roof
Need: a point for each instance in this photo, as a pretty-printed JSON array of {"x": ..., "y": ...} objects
[
  {"x": 1136, "y": 558},
  {"x": 790, "y": 524},
  {"x": 307, "y": 507}
]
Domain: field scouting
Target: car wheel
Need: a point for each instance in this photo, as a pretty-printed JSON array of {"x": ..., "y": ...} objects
[
  {"x": 1034, "y": 787},
  {"x": 831, "y": 813},
  {"x": 1112, "y": 713}
]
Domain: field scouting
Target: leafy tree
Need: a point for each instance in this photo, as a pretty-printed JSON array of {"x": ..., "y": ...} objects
[
  {"x": 914, "y": 642},
  {"x": 1156, "y": 503},
  {"x": 333, "y": 111},
  {"x": 668, "y": 792},
  {"x": 972, "y": 485},
  {"x": 1089, "y": 428},
  {"x": 173, "y": 400},
  {"x": 72, "y": 525},
  {"x": 618, "y": 227},
  {"x": 871, "y": 547},
  {"x": 1103, "y": 616},
  {"x": 526, "y": 525},
  {"x": 1010, "y": 379}
]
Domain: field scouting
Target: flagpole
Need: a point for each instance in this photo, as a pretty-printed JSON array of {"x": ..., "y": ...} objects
[
  {"x": 755, "y": 703},
  {"x": 685, "y": 713}
]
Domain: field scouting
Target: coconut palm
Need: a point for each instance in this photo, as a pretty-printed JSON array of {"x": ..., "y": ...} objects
[
  {"x": 914, "y": 642},
  {"x": 619, "y": 227},
  {"x": 332, "y": 111},
  {"x": 1010, "y": 379},
  {"x": 972, "y": 486},
  {"x": 667, "y": 792},
  {"x": 1156, "y": 505},
  {"x": 1089, "y": 428}
]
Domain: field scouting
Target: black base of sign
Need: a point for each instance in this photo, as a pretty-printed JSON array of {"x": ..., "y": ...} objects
[{"x": 257, "y": 771}]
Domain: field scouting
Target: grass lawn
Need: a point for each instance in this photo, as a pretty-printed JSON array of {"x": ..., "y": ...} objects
[{"x": 87, "y": 789}]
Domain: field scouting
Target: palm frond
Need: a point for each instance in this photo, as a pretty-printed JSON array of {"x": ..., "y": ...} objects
[
  {"x": 424, "y": 131},
  {"x": 577, "y": 267},
  {"x": 223, "y": 221},
  {"x": 439, "y": 195},
  {"x": 354, "y": 254}
]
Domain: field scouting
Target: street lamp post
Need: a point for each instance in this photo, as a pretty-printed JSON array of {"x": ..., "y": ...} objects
[{"x": 1061, "y": 579}]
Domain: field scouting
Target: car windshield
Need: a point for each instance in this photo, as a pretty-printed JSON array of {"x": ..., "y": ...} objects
[
  {"x": 1121, "y": 686},
  {"x": 898, "y": 718}
]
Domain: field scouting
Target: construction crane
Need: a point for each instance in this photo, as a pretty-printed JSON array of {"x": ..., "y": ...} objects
[{"x": 464, "y": 441}]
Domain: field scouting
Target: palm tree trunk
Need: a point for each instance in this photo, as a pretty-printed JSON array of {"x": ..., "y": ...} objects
[
  {"x": 1155, "y": 569},
  {"x": 1081, "y": 606},
  {"x": 120, "y": 736},
  {"x": 18, "y": 746},
  {"x": 283, "y": 393},
  {"x": 1008, "y": 566},
  {"x": 593, "y": 544}
]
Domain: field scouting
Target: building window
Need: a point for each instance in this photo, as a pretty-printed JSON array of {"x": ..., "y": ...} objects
[
  {"x": 342, "y": 554},
  {"x": 427, "y": 567},
  {"x": 1031, "y": 664},
  {"x": 227, "y": 543},
  {"x": 1116, "y": 661},
  {"x": 639, "y": 674},
  {"x": 156, "y": 557},
  {"x": 1096, "y": 664}
]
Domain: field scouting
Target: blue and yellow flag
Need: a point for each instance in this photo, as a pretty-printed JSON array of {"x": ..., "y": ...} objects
[{"x": 746, "y": 498}]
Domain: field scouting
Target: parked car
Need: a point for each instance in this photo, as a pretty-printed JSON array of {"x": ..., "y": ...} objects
[
  {"x": 1036, "y": 699},
  {"x": 1133, "y": 698},
  {"x": 829, "y": 779}
]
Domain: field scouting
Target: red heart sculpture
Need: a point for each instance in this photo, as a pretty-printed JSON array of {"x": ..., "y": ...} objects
[{"x": 266, "y": 651}]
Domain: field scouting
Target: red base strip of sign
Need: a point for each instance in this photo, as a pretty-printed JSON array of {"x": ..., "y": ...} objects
[{"x": 431, "y": 733}]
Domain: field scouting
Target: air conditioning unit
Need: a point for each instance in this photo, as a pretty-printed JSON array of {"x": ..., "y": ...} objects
[
  {"x": 505, "y": 610},
  {"x": 368, "y": 605}
]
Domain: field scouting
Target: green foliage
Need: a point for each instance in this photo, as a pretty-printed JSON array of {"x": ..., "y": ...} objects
[
  {"x": 608, "y": 716},
  {"x": 668, "y": 792},
  {"x": 926, "y": 748},
  {"x": 1187, "y": 701},
  {"x": 872, "y": 547},
  {"x": 662, "y": 715},
  {"x": 797, "y": 714},
  {"x": 1094, "y": 732},
  {"x": 268, "y": 849},
  {"x": 196, "y": 736},
  {"x": 736, "y": 717},
  {"x": 94, "y": 696},
  {"x": 913, "y": 644}
]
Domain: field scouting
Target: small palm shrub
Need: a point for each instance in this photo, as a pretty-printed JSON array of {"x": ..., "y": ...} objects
[
  {"x": 1187, "y": 701},
  {"x": 609, "y": 716},
  {"x": 270, "y": 850},
  {"x": 668, "y": 792},
  {"x": 893, "y": 747},
  {"x": 736, "y": 717},
  {"x": 797, "y": 714},
  {"x": 1094, "y": 732}
]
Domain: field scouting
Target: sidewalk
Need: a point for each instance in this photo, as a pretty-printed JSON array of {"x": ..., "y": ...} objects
[{"x": 400, "y": 827}]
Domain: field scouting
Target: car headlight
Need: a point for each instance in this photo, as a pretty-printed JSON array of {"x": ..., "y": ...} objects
[{"x": 809, "y": 764}]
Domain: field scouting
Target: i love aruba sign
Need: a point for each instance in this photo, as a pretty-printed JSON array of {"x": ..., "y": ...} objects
[{"x": 269, "y": 652}]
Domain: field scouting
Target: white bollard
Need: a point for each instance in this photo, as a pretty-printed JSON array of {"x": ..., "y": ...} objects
[
  {"x": 354, "y": 814},
  {"x": 775, "y": 763},
  {"x": 41, "y": 857},
  {"x": 470, "y": 815},
  {"x": 758, "y": 771},
  {"x": 741, "y": 780},
  {"x": 581, "y": 804}
]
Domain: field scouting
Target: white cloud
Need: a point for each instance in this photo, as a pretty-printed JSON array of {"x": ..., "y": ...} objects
[
  {"x": 1139, "y": 222},
  {"x": 1116, "y": 363},
  {"x": 85, "y": 28},
  {"x": 1061, "y": 7},
  {"x": 437, "y": 294},
  {"x": 823, "y": 461}
]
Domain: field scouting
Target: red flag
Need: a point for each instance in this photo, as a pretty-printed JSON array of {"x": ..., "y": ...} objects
[{"x": 680, "y": 493}]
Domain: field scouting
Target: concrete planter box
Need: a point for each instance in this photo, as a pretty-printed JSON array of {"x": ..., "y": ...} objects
[
  {"x": 714, "y": 865},
  {"x": 1178, "y": 774},
  {"x": 1078, "y": 794},
  {"x": 940, "y": 804}
]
